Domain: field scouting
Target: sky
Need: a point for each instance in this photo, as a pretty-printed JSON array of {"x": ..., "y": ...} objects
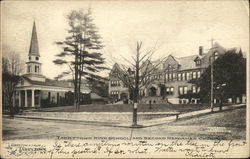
[{"x": 173, "y": 27}]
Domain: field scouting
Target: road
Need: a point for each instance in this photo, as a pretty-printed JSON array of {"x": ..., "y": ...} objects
[{"x": 223, "y": 125}]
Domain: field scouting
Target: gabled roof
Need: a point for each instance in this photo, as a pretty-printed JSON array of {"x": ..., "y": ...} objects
[
  {"x": 54, "y": 83},
  {"x": 235, "y": 49},
  {"x": 175, "y": 58},
  {"x": 34, "y": 50},
  {"x": 187, "y": 62},
  {"x": 116, "y": 67},
  {"x": 49, "y": 82}
]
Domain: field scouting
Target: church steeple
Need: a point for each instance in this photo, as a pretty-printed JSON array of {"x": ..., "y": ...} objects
[
  {"x": 33, "y": 65},
  {"x": 34, "y": 50}
]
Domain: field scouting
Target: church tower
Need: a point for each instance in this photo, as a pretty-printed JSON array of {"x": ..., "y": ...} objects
[{"x": 33, "y": 65}]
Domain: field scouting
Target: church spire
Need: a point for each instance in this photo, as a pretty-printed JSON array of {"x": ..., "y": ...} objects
[{"x": 34, "y": 42}]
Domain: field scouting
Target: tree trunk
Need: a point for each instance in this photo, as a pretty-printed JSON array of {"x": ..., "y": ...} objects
[
  {"x": 11, "y": 108},
  {"x": 221, "y": 102}
]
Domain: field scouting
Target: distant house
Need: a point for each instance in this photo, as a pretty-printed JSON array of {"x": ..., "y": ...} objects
[
  {"x": 170, "y": 79},
  {"x": 35, "y": 90},
  {"x": 96, "y": 99}
]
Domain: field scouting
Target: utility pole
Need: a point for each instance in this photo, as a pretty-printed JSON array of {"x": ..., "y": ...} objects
[{"x": 212, "y": 78}]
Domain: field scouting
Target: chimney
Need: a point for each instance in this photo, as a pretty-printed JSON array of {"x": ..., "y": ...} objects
[{"x": 200, "y": 50}]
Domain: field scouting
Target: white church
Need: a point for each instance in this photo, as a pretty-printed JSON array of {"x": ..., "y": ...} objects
[{"x": 35, "y": 90}]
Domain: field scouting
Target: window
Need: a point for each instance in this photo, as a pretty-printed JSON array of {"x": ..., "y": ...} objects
[
  {"x": 194, "y": 75},
  {"x": 180, "y": 90},
  {"x": 166, "y": 77},
  {"x": 194, "y": 89},
  {"x": 198, "y": 74},
  {"x": 188, "y": 75},
  {"x": 114, "y": 93},
  {"x": 198, "y": 62},
  {"x": 29, "y": 68},
  {"x": 174, "y": 76},
  {"x": 37, "y": 69},
  {"x": 170, "y": 90},
  {"x": 198, "y": 89},
  {"x": 29, "y": 58},
  {"x": 183, "y": 77},
  {"x": 185, "y": 90},
  {"x": 37, "y": 58},
  {"x": 179, "y": 76},
  {"x": 115, "y": 83},
  {"x": 213, "y": 57},
  {"x": 170, "y": 77},
  {"x": 112, "y": 84},
  {"x": 216, "y": 55}
]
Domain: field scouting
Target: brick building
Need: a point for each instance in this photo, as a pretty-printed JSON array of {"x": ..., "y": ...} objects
[{"x": 170, "y": 79}]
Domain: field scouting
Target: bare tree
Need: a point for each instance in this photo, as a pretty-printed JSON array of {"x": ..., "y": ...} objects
[
  {"x": 12, "y": 67},
  {"x": 139, "y": 73}
]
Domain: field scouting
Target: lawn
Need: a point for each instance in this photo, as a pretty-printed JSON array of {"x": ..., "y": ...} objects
[
  {"x": 226, "y": 125},
  {"x": 128, "y": 108}
]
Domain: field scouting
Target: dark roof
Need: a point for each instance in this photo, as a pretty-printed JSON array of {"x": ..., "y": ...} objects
[
  {"x": 95, "y": 96},
  {"x": 187, "y": 62},
  {"x": 49, "y": 82},
  {"x": 34, "y": 50}
]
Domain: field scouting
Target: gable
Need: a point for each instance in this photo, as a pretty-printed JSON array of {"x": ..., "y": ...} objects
[
  {"x": 23, "y": 83},
  {"x": 171, "y": 61},
  {"x": 197, "y": 58},
  {"x": 116, "y": 68}
]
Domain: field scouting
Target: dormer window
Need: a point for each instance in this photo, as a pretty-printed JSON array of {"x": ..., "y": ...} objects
[{"x": 198, "y": 62}]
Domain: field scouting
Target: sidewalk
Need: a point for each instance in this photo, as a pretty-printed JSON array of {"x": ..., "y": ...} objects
[{"x": 145, "y": 123}]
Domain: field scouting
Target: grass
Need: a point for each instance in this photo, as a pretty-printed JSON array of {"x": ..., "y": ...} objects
[
  {"x": 128, "y": 108},
  {"x": 227, "y": 118},
  {"x": 233, "y": 121}
]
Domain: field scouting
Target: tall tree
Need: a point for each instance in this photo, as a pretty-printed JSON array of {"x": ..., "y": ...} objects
[
  {"x": 12, "y": 66},
  {"x": 229, "y": 72},
  {"x": 82, "y": 45}
]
